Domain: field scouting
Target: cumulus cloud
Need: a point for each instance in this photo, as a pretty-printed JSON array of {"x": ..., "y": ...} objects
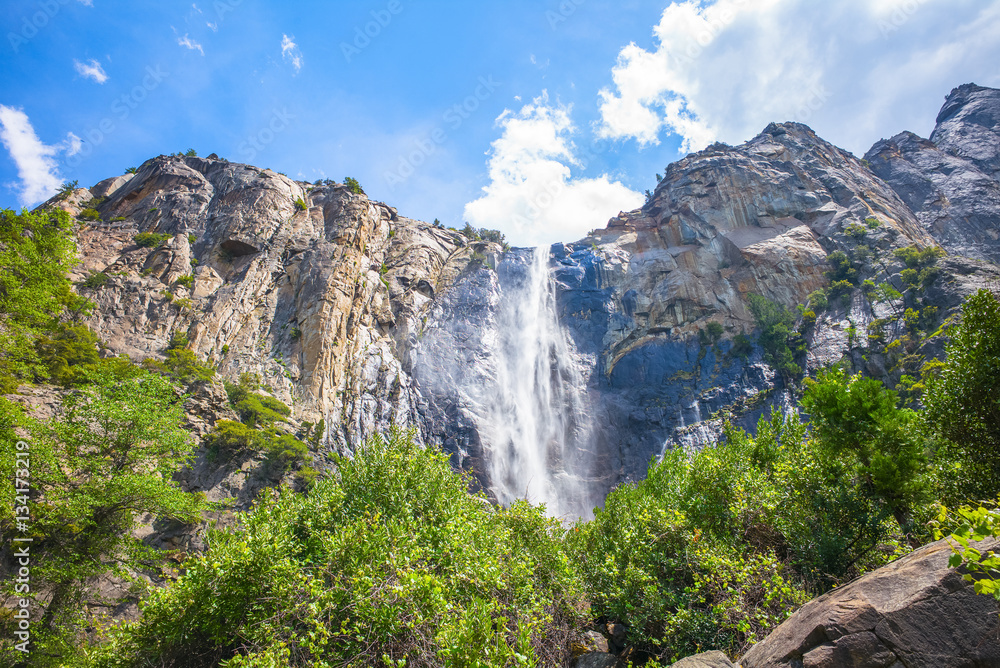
[
  {"x": 856, "y": 70},
  {"x": 189, "y": 43},
  {"x": 91, "y": 70},
  {"x": 290, "y": 52},
  {"x": 36, "y": 164},
  {"x": 532, "y": 196}
]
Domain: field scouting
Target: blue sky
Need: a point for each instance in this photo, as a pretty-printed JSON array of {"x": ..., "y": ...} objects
[{"x": 541, "y": 118}]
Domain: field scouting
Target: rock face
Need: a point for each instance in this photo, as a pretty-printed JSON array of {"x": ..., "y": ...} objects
[
  {"x": 364, "y": 319},
  {"x": 951, "y": 180},
  {"x": 914, "y": 613},
  {"x": 705, "y": 660}
]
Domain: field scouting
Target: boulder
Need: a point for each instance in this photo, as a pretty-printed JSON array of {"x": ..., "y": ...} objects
[
  {"x": 914, "y": 613},
  {"x": 705, "y": 660},
  {"x": 597, "y": 660}
]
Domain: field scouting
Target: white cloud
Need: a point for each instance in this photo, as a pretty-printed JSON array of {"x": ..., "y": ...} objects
[
  {"x": 91, "y": 70},
  {"x": 290, "y": 52},
  {"x": 36, "y": 164},
  {"x": 88, "y": 3},
  {"x": 189, "y": 43},
  {"x": 72, "y": 145},
  {"x": 532, "y": 196},
  {"x": 214, "y": 27},
  {"x": 855, "y": 70}
]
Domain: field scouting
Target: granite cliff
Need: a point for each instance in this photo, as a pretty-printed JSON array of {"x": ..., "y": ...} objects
[{"x": 362, "y": 318}]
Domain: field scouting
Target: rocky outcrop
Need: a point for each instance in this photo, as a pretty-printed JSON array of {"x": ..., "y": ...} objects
[
  {"x": 364, "y": 319},
  {"x": 951, "y": 180},
  {"x": 916, "y": 612}
]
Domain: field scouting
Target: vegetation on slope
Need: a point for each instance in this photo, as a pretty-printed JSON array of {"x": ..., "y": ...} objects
[{"x": 389, "y": 561}]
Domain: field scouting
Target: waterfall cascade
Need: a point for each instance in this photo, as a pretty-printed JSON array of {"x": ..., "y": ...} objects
[{"x": 537, "y": 425}]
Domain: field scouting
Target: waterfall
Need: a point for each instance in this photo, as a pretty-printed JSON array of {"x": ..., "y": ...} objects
[{"x": 536, "y": 424}]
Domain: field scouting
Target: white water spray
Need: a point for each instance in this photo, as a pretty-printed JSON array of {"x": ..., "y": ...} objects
[{"x": 537, "y": 428}]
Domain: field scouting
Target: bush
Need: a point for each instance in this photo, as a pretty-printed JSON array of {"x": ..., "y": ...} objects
[
  {"x": 36, "y": 251},
  {"x": 95, "y": 280},
  {"x": 915, "y": 258},
  {"x": 151, "y": 239},
  {"x": 687, "y": 559},
  {"x": 300, "y": 204},
  {"x": 254, "y": 409},
  {"x": 353, "y": 185},
  {"x": 389, "y": 562},
  {"x": 962, "y": 406},
  {"x": 777, "y": 336},
  {"x": 818, "y": 300},
  {"x": 841, "y": 268},
  {"x": 69, "y": 354},
  {"x": 89, "y": 214},
  {"x": 186, "y": 281},
  {"x": 742, "y": 346}
]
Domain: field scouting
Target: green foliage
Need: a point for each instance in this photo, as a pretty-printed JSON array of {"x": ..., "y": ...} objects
[
  {"x": 389, "y": 562},
  {"x": 132, "y": 170},
  {"x": 915, "y": 258},
  {"x": 873, "y": 223},
  {"x": 181, "y": 364},
  {"x": 975, "y": 525},
  {"x": 151, "y": 239},
  {"x": 192, "y": 238},
  {"x": 818, "y": 300},
  {"x": 712, "y": 334},
  {"x": 776, "y": 324},
  {"x": 300, "y": 204},
  {"x": 96, "y": 470},
  {"x": 89, "y": 214},
  {"x": 255, "y": 409},
  {"x": 191, "y": 153},
  {"x": 95, "y": 280},
  {"x": 187, "y": 281},
  {"x": 742, "y": 346},
  {"x": 36, "y": 251},
  {"x": 856, "y": 231},
  {"x": 67, "y": 189},
  {"x": 688, "y": 558},
  {"x": 841, "y": 268},
  {"x": 884, "y": 292},
  {"x": 70, "y": 353},
  {"x": 962, "y": 404},
  {"x": 353, "y": 185},
  {"x": 857, "y": 424}
]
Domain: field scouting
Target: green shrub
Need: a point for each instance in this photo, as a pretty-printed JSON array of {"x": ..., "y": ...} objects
[
  {"x": 873, "y": 223},
  {"x": 856, "y": 231},
  {"x": 687, "y": 559},
  {"x": 186, "y": 281},
  {"x": 70, "y": 353},
  {"x": 778, "y": 338},
  {"x": 818, "y": 300},
  {"x": 353, "y": 185},
  {"x": 742, "y": 346},
  {"x": 915, "y": 258},
  {"x": 388, "y": 562},
  {"x": 191, "y": 153},
  {"x": 95, "y": 280},
  {"x": 132, "y": 170},
  {"x": 192, "y": 238},
  {"x": 151, "y": 239},
  {"x": 300, "y": 204},
  {"x": 36, "y": 251},
  {"x": 841, "y": 268},
  {"x": 89, "y": 214}
]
